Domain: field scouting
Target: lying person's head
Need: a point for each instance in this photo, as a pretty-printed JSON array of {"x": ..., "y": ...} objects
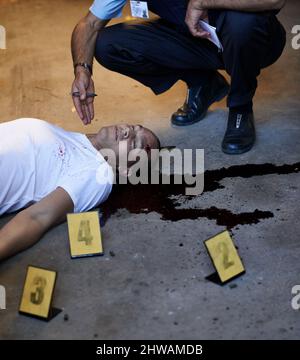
[{"x": 126, "y": 142}]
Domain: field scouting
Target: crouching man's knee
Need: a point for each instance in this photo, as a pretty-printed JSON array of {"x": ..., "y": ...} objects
[
  {"x": 240, "y": 28},
  {"x": 104, "y": 46}
]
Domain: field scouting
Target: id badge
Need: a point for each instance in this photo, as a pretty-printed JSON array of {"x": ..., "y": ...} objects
[{"x": 139, "y": 9}]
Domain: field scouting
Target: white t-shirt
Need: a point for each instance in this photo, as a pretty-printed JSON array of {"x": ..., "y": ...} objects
[{"x": 37, "y": 157}]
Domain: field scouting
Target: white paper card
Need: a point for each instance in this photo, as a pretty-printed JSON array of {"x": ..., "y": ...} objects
[
  {"x": 139, "y": 9},
  {"x": 213, "y": 33}
]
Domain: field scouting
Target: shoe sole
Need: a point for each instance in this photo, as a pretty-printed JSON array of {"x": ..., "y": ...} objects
[
  {"x": 220, "y": 96},
  {"x": 237, "y": 152}
]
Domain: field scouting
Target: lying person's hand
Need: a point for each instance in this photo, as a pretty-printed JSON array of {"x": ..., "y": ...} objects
[
  {"x": 83, "y": 85},
  {"x": 193, "y": 15}
]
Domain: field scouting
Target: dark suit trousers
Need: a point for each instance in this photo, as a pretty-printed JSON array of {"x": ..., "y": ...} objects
[{"x": 160, "y": 52}]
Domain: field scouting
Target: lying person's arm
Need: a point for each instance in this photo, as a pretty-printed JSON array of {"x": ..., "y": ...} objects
[
  {"x": 239, "y": 5},
  {"x": 28, "y": 226}
]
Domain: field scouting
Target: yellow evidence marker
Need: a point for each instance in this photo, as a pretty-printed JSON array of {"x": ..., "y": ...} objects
[
  {"x": 38, "y": 292},
  {"x": 224, "y": 256},
  {"x": 84, "y": 234}
]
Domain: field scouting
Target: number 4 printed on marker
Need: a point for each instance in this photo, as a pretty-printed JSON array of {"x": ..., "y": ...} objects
[{"x": 84, "y": 233}]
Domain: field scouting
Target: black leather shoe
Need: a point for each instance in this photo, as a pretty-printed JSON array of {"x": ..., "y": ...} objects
[
  {"x": 199, "y": 100},
  {"x": 240, "y": 134}
]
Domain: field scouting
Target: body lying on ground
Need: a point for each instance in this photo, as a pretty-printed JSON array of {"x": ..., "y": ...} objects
[{"x": 47, "y": 172}]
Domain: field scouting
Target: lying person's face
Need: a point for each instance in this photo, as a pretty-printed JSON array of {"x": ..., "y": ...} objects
[{"x": 124, "y": 138}]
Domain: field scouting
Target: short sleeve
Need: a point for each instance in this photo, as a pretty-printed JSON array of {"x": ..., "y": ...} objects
[
  {"x": 107, "y": 9},
  {"x": 88, "y": 187}
]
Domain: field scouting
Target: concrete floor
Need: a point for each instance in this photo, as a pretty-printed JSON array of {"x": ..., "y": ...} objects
[{"x": 154, "y": 287}]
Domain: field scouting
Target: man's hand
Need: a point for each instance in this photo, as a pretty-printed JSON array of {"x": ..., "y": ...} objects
[
  {"x": 83, "y": 44},
  {"x": 193, "y": 15},
  {"x": 236, "y": 5},
  {"x": 84, "y": 105}
]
